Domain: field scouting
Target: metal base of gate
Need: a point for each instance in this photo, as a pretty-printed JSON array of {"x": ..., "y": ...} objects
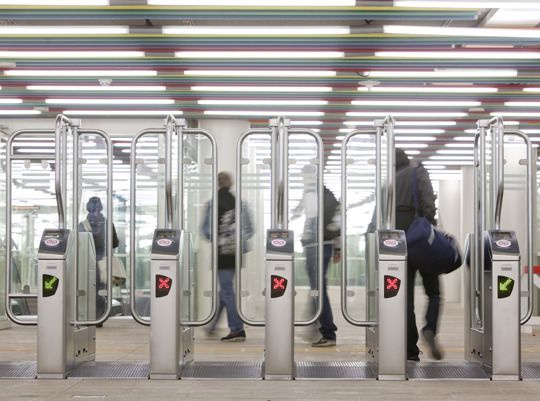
[
  {"x": 222, "y": 370},
  {"x": 530, "y": 371},
  {"x": 445, "y": 371},
  {"x": 112, "y": 370},
  {"x": 18, "y": 370},
  {"x": 333, "y": 371}
]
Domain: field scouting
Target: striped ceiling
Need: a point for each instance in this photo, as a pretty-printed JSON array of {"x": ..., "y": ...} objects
[{"x": 357, "y": 66}]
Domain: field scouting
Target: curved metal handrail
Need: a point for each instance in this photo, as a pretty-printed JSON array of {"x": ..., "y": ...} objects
[
  {"x": 344, "y": 276},
  {"x": 530, "y": 229},
  {"x": 133, "y": 217},
  {"x": 109, "y": 246},
  {"x": 21, "y": 320}
]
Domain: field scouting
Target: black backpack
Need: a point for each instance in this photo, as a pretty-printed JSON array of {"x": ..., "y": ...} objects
[{"x": 332, "y": 215}]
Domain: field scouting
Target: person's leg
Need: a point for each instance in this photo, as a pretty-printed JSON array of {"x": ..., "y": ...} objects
[
  {"x": 429, "y": 331},
  {"x": 328, "y": 328},
  {"x": 311, "y": 269},
  {"x": 228, "y": 298},
  {"x": 412, "y": 330}
]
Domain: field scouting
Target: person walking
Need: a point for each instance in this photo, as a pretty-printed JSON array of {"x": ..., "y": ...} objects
[
  {"x": 226, "y": 260},
  {"x": 405, "y": 213}
]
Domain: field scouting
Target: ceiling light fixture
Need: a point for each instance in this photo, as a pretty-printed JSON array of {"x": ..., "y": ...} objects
[
  {"x": 416, "y": 103},
  {"x": 247, "y": 54},
  {"x": 459, "y": 54},
  {"x": 123, "y": 112},
  {"x": 81, "y": 73},
  {"x": 256, "y": 30},
  {"x": 71, "y": 54},
  {"x": 455, "y": 31},
  {"x": 255, "y": 3},
  {"x": 262, "y": 88},
  {"x": 445, "y": 73},
  {"x": 83, "y": 88},
  {"x": 406, "y": 114},
  {"x": 467, "y": 4},
  {"x": 19, "y": 112},
  {"x": 110, "y": 101},
  {"x": 264, "y": 112},
  {"x": 430, "y": 89},
  {"x": 63, "y": 30},
  {"x": 265, "y": 102},
  {"x": 261, "y": 73}
]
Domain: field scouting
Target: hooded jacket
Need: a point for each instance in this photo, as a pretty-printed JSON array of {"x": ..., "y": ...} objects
[{"x": 405, "y": 210}]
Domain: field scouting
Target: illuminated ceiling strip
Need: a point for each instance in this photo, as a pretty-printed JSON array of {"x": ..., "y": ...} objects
[
  {"x": 63, "y": 30},
  {"x": 10, "y": 101},
  {"x": 467, "y": 4},
  {"x": 95, "y": 88},
  {"x": 416, "y": 103},
  {"x": 264, "y": 112},
  {"x": 247, "y": 54},
  {"x": 54, "y": 2},
  {"x": 516, "y": 114},
  {"x": 416, "y": 138},
  {"x": 109, "y": 101},
  {"x": 445, "y": 73},
  {"x": 405, "y": 123},
  {"x": 531, "y": 89},
  {"x": 71, "y": 54},
  {"x": 460, "y": 54},
  {"x": 266, "y": 102},
  {"x": 262, "y": 88},
  {"x": 81, "y": 73},
  {"x": 123, "y": 112},
  {"x": 454, "y": 31},
  {"x": 522, "y": 104},
  {"x": 428, "y": 89},
  {"x": 19, "y": 112},
  {"x": 406, "y": 114},
  {"x": 256, "y": 30},
  {"x": 255, "y": 3},
  {"x": 255, "y": 73}
]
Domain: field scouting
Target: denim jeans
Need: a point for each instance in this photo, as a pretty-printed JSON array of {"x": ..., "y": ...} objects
[
  {"x": 227, "y": 300},
  {"x": 431, "y": 287},
  {"x": 326, "y": 320}
]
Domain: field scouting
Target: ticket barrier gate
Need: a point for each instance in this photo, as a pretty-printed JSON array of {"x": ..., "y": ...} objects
[
  {"x": 279, "y": 305},
  {"x": 386, "y": 340},
  {"x": 61, "y": 345},
  {"x": 497, "y": 349},
  {"x": 171, "y": 345}
]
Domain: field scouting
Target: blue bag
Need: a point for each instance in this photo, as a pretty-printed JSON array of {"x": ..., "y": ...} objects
[{"x": 428, "y": 248}]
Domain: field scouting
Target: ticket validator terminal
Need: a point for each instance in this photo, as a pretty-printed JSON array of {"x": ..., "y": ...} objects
[
  {"x": 171, "y": 345},
  {"x": 62, "y": 345},
  {"x": 502, "y": 336},
  {"x": 387, "y": 345},
  {"x": 279, "y": 301}
]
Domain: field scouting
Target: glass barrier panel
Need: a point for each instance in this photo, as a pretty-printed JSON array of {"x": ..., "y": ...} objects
[{"x": 359, "y": 227}]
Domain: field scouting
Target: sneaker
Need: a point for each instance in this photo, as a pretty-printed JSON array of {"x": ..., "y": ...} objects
[
  {"x": 414, "y": 358},
  {"x": 324, "y": 342},
  {"x": 429, "y": 336},
  {"x": 240, "y": 336}
]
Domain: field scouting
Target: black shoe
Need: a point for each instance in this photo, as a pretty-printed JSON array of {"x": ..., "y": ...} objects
[
  {"x": 240, "y": 336},
  {"x": 429, "y": 336},
  {"x": 324, "y": 342},
  {"x": 414, "y": 358}
]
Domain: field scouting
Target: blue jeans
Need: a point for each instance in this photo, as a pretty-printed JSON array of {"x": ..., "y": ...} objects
[
  {"x": 227, "y": 299},
  {"x": 328, "y": 328}
]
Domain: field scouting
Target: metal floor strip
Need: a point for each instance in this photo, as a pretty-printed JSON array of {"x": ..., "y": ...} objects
[
  {"x": 530, "y": 370},
  {"x": 112, "y": 370},
  {"x": 18, "y": 370},
  {"x": 445, "y": 371},
  {"x": 222, "y": 370},
  {"x": 333, "y": 371}
]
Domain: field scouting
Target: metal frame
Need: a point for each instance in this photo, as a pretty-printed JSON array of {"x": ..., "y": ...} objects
[{"x": 172, "y": 127}]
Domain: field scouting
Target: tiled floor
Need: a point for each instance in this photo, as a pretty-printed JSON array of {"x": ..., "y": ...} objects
[{"x": 122, "y": 339}]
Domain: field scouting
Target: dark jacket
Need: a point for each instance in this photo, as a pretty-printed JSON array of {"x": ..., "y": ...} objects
[{"x": 405, "y": 210}]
